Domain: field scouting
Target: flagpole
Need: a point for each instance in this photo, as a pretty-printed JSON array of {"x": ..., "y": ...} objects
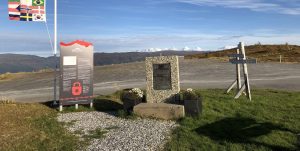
[{"x": 55, "y": 51}]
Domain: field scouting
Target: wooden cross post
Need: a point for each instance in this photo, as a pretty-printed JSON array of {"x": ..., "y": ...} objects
[
  {"x": 238, "y": 72},
  {"x": 240, "y": 58},
  {"x": 246, "y": 84},
  {"x": 237, "y": 81}
]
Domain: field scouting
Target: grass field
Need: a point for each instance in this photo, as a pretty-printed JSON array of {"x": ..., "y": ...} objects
[
  {"x": 270, "y": 122},
  {"x": 33, "y": 127}
]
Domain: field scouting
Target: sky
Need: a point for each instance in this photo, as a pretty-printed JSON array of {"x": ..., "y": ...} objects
[{"x": 135, "y": 25}]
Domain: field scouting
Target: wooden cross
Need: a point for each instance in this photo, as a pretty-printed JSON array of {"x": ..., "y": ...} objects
[{"x": 238, "y": 59}]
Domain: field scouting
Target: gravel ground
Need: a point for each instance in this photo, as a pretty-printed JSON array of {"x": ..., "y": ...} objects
[{"x": 122, "y": 134}]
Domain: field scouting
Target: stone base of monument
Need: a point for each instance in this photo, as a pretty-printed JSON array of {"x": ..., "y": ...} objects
[{"x": 160, "y": 111}]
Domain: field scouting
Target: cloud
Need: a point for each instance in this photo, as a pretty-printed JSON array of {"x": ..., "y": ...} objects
[
  {"x": 227, "y": 47},
  {"x": 254, "y": 5},
  {"x": 16, "y": 43},
  {"x": 22, "y": 44},
  {"x": 204, "y": 41},
  {"x": 186, "y": 48}
]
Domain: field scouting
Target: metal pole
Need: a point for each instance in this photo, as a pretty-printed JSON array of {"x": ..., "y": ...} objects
[
  {"x": 55, "y": 27},
  {"x": 55, "y": 50}
]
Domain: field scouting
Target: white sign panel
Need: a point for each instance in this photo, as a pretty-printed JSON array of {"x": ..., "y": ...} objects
[{"x": 70, "y": 60}]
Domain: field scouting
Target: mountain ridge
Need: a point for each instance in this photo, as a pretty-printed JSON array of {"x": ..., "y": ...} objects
[
  {"x": 28, "y": 63},
  {"x": 265, "y": 53}
]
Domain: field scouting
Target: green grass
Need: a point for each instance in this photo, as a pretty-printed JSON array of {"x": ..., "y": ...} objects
[
  {"x": 270, "y": 122},
  {"x": 34, "y": 126}
]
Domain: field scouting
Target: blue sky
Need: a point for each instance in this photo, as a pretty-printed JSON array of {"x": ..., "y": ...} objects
[{"x": 130, "y": 25}]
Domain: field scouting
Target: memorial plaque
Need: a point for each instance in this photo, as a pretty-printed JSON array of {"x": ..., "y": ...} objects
[
  {"x": 162, "y": 76},
  {"x": 76, "y": 68}
]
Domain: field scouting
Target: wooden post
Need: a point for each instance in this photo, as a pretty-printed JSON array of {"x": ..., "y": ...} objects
[
  {"x": 245, "y": 67},
  {"x": 238, "y": 72},
  {"x": 280, "y": 59},
  {"x": 240, "y": 58},
  {"x": 237, "y": 81},
  {"x": 240, "y": 92},
  {"x": 231, "y": 86},
  {"x": 60, "y": 108}
]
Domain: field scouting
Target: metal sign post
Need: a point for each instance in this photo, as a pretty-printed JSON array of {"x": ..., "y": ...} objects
[
  {"x": 240, "y": 58},
  {"x": 55, "y": 53}
]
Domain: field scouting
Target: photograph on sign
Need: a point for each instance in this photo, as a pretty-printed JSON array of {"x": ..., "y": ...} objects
[{"x": 70, "y": 60}]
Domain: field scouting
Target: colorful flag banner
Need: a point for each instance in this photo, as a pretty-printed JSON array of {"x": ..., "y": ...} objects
[{"x": 27, "y": 10}]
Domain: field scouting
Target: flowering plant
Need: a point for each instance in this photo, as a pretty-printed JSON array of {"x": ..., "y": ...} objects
[
  {"x": 137, "y": 92},
  {"x": 134, "y": 94},
  {"x": 190, "y": 94},
  {"x": 189, "y": 90}
]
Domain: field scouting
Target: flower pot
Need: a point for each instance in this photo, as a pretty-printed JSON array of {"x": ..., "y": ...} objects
[{"x": 193, "y": 107}]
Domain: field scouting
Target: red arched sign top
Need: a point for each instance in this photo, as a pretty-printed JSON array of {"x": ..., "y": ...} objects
[{"x": 82, "y": 43}]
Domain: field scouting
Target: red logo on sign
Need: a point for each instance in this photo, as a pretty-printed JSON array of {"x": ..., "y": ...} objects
[{"x": 76, "y": 89}]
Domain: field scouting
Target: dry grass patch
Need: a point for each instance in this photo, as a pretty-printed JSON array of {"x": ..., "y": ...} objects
[
  {"x": 10, "y": 76},
  {"x": 33, "y": 127},
  {"x": 264, "y": 53}
]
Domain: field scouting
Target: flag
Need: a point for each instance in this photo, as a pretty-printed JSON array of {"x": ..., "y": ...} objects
[
  {"x": 14, "y": 10},
  {"x": 27, "y": 10}
]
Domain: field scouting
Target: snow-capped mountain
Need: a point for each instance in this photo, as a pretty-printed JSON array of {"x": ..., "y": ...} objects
[
  {"x": 186, "y": 48},
  {"x": 227, "y": 47}
]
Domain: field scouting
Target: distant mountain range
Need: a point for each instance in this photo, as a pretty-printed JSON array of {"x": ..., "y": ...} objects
[
  {"x": 28, "y": 63},
  {"x": 24, "y": 63}
]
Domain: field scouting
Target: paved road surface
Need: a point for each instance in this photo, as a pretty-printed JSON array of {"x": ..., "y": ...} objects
[{"x": 203, "y": 74}]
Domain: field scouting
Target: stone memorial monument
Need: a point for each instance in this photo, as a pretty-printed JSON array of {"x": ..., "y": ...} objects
[{"x": 162, "y": 76}]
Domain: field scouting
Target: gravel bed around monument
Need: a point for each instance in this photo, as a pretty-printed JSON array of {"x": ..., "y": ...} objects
[{"x": 122, "y": 134}]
